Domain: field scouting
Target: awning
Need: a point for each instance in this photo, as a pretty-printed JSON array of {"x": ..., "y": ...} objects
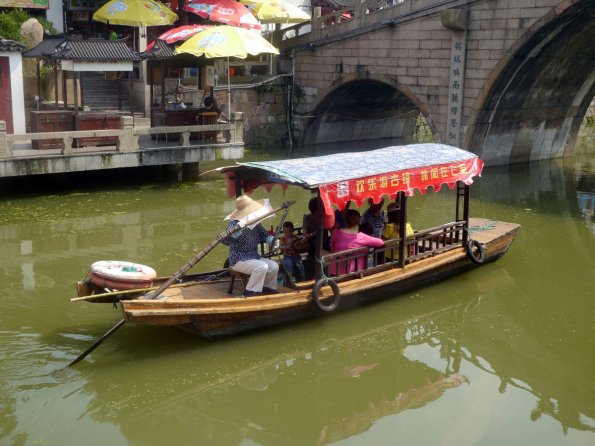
[{"x": 358, "y": 176}]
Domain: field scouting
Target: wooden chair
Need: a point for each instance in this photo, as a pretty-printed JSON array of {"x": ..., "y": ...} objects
[
  {"x": 208, "y": 118},
  {"x": 232, "y": 277}
]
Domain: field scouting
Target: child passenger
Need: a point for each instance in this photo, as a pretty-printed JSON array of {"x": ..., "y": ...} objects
[{"x": 291, "y": 257}]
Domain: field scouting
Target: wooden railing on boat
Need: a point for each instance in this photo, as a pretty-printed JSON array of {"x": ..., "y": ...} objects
[{"x": 422, "y": 244}]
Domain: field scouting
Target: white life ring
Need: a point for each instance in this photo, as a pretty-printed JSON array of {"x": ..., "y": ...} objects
[{"x": 120, "y": 275}]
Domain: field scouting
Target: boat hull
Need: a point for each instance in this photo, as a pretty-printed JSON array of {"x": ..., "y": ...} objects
[{"x": 205, "y": 309}]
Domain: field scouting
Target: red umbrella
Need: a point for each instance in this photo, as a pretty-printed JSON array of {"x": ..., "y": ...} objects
[
  {"x": 229, "y": 12},
  {"x": 179, "y": 33}
]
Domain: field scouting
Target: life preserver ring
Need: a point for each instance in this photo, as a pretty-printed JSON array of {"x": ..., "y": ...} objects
[
  {"x": 475, "y": 251},
  {"x": 120, "y": 275},
  {"x": 336, "y": 294}
]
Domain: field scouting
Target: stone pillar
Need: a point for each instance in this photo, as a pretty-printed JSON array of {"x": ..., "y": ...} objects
[
  {"x": 237, "y": 119},
  {"x": 128, "y": 141},
  {"x": 185, "y": 139},
  {"x": 5, "y": 149},
  {"x": 67, "y": 145},
  {"x": 316, "y": 13},
  {"x": 456, "y": 21}
]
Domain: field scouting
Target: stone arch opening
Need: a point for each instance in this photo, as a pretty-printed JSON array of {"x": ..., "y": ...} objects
[
  {"x": 363, "y": 110},
  {"x": 534, "y": 108}
]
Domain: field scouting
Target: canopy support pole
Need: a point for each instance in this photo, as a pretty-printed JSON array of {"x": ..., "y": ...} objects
[
  {"x": 56, "y": 84},
  {"x": 82, "y": 85},
  {"x": 162, "y": 100},
  {"x": 38, "y": 73},
  {"x": 318, "y": 272},
  {"x": 466, "y": 196},
  {"x": 76, "y": 100},
  {"x": 402, "y": 226},
  {"x": 64, "y": 90}
]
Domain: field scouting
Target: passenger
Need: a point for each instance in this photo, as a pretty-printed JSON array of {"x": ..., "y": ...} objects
[
  {"x": 350, "y": 238},
  {"x": 367, "y": 229},
  {"x": 310, "y": 226},
  {"x": 340, "y": 216},
  {"x": 289, "y": 243},
  {"x": 243, "y": 250},
  {"x": 375, "y": 216},
  {"x": 391, "y": 229},
  {"x": 210, "y": 105}
]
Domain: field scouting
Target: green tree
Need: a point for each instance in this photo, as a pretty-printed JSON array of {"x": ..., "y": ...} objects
[{"x": 11, "y": 21}]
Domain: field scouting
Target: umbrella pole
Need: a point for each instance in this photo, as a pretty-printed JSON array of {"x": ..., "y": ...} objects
[{"x": 228, "y": 91}]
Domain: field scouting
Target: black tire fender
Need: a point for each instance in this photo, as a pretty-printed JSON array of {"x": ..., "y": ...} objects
[
  {"x": 336, "y": 294},
  {"x": 475, "y": 251}
]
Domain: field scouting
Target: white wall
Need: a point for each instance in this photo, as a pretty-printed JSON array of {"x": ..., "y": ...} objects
[
  {"x": 55, "y": 15},
  {"x": 16, "y": 83}
]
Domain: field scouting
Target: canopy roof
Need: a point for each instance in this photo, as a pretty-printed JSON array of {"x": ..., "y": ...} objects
[
  {"x": 358, "y": 176},
  {"x": 83, "y": 50}
]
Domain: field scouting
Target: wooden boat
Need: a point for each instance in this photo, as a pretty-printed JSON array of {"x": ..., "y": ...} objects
[{"x": 203, "y": 306}]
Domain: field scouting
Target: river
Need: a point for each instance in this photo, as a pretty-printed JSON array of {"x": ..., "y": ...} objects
[{"x": 504, "y": 354}]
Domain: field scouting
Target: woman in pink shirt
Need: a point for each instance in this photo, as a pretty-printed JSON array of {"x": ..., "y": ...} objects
[{"x": 349, "y": 237}]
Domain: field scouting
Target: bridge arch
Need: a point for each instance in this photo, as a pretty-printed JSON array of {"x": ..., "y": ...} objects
[
  {"x": 366, "y": 107},
  {"x": 533, "y": 103}
]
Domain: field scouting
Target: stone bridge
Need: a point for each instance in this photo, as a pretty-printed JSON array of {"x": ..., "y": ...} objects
[{"x": 510, "y": 80}]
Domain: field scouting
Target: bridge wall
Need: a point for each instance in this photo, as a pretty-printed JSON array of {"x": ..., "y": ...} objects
[{"x": 503, "y": 112}]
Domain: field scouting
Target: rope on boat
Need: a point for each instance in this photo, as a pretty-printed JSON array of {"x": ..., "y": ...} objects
[
  {"x": 490, "y": 224},
  {"x": 323, "y": 265},
  {"x": 325, "y": 281}
]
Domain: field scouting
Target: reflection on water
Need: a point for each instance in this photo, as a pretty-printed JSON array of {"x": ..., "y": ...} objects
[
  {"x": 586, "y": 203},
  {"x": 502, "y": 354}
]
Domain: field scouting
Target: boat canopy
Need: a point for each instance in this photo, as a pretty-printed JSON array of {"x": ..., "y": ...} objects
[{"x": 358, "y": 176}]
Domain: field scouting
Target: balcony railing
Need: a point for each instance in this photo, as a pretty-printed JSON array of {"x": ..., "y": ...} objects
[{"x": 127, "y": 136}]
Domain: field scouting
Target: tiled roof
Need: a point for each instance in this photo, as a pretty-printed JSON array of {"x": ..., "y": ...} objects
[
  {"x": 45, "y": 47},
  {"x": 161, "y": 50},
  {"x": 11, "y": 45},
  {"x": 94, "y": 50}
]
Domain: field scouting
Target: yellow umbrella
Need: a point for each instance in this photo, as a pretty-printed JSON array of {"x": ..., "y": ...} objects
[
  {"x": 135, "y": 13},
  {"x": 276, "y": 11},
  {"x": 226, "y": 41}
]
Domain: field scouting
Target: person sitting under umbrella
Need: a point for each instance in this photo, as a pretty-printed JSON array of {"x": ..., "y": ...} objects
[
  {"x": 243, "y": 249},
  {"x": 211, "y": 106}
]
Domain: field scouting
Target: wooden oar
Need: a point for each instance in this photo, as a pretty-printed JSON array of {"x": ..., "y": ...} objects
[
  {"x": 193, "y": 261},
  {"x": 84, "y": 354}
]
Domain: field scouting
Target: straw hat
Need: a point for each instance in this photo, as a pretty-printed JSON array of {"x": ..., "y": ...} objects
[{"x": 245, "y": 206}]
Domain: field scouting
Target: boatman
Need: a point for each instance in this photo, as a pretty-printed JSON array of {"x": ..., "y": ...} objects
[{"x": 243, "y": 248}]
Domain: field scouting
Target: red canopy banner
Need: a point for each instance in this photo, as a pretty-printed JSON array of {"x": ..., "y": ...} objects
[{"x": 360, "y": 189}]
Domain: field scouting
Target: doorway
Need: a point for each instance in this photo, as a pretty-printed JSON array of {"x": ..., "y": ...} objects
[{"x": 5, "y": 94}]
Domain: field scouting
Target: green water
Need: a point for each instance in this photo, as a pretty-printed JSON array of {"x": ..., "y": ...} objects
[{"x": 503, "y": 354}]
